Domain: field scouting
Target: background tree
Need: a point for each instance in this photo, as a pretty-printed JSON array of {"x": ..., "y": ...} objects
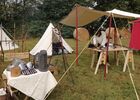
[{"x": 33, "y": 16}]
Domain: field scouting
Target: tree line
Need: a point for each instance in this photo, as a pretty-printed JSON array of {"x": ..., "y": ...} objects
[{"x": 31, "y": 17}]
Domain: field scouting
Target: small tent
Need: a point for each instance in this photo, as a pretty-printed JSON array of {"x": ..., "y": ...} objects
[
  {"x": 47, "y": 41},
  {"x": 6, "y": 42}
]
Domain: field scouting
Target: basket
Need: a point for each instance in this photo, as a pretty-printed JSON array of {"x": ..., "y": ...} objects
[{"x": 15, "y": 71}]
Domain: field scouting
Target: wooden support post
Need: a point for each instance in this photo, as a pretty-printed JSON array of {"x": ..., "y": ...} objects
[
  {"x": 76, "y": 25},
  {"x": 117, "y": 58},
  {"x": 98, "y": 63},
  {"x": 2, "y": 51},
  {"x": 129, "y": 58},
  {"x": 29, "y": 55},
  {"x": 105, "y": 67},
  {"x": 93, "y": 59}
]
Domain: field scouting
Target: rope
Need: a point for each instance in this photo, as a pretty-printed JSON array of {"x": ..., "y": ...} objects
[
  {"x": 130, "y": 74},
  {"x": 76, "y": 59}
]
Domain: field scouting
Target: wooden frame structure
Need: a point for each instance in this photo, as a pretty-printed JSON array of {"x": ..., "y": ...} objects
[
  {"x": 102, "y": 57},
  {"x": 11, "y": 90}
]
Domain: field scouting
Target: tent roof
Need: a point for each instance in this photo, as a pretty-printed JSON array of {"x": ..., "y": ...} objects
[
  {"x": 86, "y": 15},
  {"x": 7, "y": 43},
  {"x": 45, "y": 43},
  {"x": 123, "y": 14}
]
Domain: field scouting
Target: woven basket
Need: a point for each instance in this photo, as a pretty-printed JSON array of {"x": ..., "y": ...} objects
[{"x": 15, "y": 71}]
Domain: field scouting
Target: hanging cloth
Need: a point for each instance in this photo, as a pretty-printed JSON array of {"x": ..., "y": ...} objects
[{"x": 135, "y": 35}]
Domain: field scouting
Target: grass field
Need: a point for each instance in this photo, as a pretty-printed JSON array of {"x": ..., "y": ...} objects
[{"x": 88, "y": 86}]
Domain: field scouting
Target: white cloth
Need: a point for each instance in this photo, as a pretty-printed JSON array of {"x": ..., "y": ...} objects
[
  {"x": 100, "y": 40},
  {"x": 34, "y": 85}
]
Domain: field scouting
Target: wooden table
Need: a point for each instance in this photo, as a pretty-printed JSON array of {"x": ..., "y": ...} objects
[{"x": 102, "y": 57}]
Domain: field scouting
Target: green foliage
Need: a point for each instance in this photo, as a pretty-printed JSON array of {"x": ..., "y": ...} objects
[
  {"x": 36, "y": 14},
  {"x": 67, "y": 32},
  {"x": 37, "y": 28}
]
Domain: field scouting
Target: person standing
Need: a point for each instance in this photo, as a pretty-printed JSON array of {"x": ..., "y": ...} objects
[{"x": 100, "y": 40}]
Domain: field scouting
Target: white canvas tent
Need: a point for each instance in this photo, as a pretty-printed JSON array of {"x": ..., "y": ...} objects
[
  {"x": 45, "y": 43},
  {"x": 123, "y": 14},
  {"x": 7, "y": 43}
]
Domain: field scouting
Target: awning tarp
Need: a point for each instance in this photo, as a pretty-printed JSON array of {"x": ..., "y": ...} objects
[
  {"x": 123, "y": 14},
  {"x": 86, "y": 15}
]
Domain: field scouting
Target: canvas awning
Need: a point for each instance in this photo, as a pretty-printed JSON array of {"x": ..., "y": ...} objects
[{"x": 86, "y": 15}]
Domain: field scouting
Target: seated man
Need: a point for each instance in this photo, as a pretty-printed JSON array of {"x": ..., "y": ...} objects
[{"x": 100, "y": 40}]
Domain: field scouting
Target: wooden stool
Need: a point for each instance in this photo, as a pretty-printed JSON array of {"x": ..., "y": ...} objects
[{"x": 129, "y": 58}]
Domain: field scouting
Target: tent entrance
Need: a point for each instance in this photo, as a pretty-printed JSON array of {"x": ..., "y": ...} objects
[{"x": 57, "y": 45}]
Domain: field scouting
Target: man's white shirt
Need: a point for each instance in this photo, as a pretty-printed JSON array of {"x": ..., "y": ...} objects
[{"x": 100, "y": 40}]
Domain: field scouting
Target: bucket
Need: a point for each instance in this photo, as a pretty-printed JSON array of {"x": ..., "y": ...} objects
[{"x": 42, "y": 61}]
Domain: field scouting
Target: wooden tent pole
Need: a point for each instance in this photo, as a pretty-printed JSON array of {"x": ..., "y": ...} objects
[
  {"x": 2, "y": 51},
  {"x": 76, "y": 25},
  {"x": 108, "y": 39},
  {"x": 14, "y": 35}
]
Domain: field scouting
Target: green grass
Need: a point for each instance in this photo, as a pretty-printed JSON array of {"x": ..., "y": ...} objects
[{"x": 88, "y": 86}]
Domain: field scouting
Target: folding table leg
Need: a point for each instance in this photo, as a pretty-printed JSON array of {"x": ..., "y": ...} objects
[
  {"x": 26, "y": 98},
  {"x": 132, "y": 58},
  {"x": 99, "y": 61},
  {"x": 129, "y": 58},
  {"x": 93, "y": 59},
  {"x": 126, "y": 61}
]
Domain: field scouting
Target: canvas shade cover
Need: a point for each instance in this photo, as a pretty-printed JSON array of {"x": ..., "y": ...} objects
[
  {"x": 7, "y": 43},
  {"x": 87, "y": 15},
  {"x": 123, "y": 14},
  {"x": 45, "y": 43}
]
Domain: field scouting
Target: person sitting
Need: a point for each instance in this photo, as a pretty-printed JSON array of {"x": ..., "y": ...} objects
[{"x": 99, "y": 39}]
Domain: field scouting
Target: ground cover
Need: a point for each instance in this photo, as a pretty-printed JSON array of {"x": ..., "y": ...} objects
[{"x": 88, "y": 86}]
